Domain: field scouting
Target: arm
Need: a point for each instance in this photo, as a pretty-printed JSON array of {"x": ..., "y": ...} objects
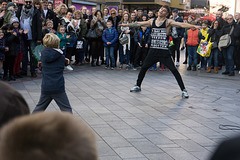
[
  {"x": 136, "y": 37},
  {"x": 115, "y": 37},
  {"x": 181, "y": 25},
  {"x": 138, "y": 24},
  {"x": 104, "y": 37}
]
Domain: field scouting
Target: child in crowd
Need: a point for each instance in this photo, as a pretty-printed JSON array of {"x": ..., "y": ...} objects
[
  {"x": 11, "y": 41},
  {"x": 204, "y": 32},
  {"x": 22, "y": 36},
  {"x": 49, "y": 29},
  {"x": 64, "y": 38},
  {"x": 142, "y": 39},
  {"x": 53, "y": 85},
  {"x": 192, "y": 37},
  {"x": 3, "y": 49},
  {"x": 110, "y": 37}
]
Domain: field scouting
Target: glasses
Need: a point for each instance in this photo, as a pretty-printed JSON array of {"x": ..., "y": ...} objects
[
  {"x": 28, "y": 2},
  {"x": 113, "y": 13}
]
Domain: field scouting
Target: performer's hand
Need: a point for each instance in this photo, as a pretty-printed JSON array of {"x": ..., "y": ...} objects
[{"x": 139, "y": 45}]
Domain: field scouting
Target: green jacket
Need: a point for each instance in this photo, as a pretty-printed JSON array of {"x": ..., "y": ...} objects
[
  {"x": 63, "y": 40},
  {"x": 7, "y": 16}
]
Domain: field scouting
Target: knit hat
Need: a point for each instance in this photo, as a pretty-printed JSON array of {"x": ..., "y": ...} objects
[
  {"x": 13, "y": 20},
  {"x": 11, "y": 4}
]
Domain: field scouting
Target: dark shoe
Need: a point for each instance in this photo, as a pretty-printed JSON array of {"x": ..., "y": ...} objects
[
  {"x": 189, "y": 68},
  {"x": 33, "y": 75},
  {"x": 231, "y": 74},
  {"x": 185, "y": 62},
  {"x": 194, "y": 69},
  {"x": 18, "y": 76},
  {"x": 11, "y": 78},
  {"x": 225, "y": 73},
  {"x": 5, "y": 78},
  {"x": 23, "y": 74}
]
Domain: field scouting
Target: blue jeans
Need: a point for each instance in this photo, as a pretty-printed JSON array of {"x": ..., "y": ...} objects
[
  {"x": 214, "y": 56},
  {"x": 192, "y": 55},
  {"x": 109, "y": 51},
  {"x": 122, "y": 57},
  {"x": 228, "y": 56},
  {"x": 29, "y": 46},
  {"x": 203, "y": 62}
]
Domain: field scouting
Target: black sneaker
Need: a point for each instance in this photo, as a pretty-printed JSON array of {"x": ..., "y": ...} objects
[
  {"x": 225, "y": 73},
  {"x": 194, "y": 69},
  {"x": 189, "y": 68},
  {"x": 33, "y": 75},
  {"x": 231, "y": 74},
  {"x": 185, "y": 62}
]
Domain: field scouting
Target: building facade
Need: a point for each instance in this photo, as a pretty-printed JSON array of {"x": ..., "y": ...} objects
[{"x": 200, "y": 4}]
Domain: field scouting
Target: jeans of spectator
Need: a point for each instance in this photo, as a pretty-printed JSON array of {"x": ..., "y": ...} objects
[
  {"x": 203, "y": 62},
  {"x": 134, "y": 46},
  {"x": 17, "y": 64},
  {"x": 192, "y": 55},
  {"x": 154, "y": 56},
  {"x": 69, "y": 52},
  {"x": 221, "y": 60},
  {"x": 60, "y": 98},
  {"x": 228, "y": 56},
  {"x": 116, "y": 48},
  {"x": 97, "y": 48},
  {"x": 186, "y": 52},
  {"x": 8, "y": 65},
  {"x": 140, "y": 55},
  {"x": 64, "y": 50},
  {"x": 79, "y": 55},
  {"x": 237, "y": 57},
  {"x": 109, "y": 52},
  {"x": 176, "y": 48},
  {"x": 28, "y": 55},
  {"x": 214, "y": 56},
  {"x": 86, "y": 49},
  {"x": 124, "y": 58}
]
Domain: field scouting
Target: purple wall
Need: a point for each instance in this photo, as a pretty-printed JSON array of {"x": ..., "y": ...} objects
[{"x": 79, "y": 6}]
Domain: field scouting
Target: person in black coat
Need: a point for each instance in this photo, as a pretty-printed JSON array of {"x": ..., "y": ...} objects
[
  {"x": 228, "y": 51},
  {"x": 12, "y": 42},
  {"x": 48, "y": 14},
  {"x": 30, "y": 19}
]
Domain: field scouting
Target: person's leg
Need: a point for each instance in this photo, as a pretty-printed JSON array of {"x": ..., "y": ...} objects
[
  {"x": 209, "y": 59},
  {"x": 144, "y": 53},
  {"x": 178, "y": 49},
  {"x": 137, "y": 57},
  {"x": 169, "y": 64},
  {"x": 195, "y": 56},
  {"x": 128, "y": 57},
  {"x": 81, "y": 57},
  {"x": 33, "y": 63},
  {"x": 149, "y": 61},
  {"x": 190, "y": 55},
  {"x": 107, "y": 50},
  {"x": 230, "y": 52},
  {"x": 227, "y": 69},
  {"x": 215, "y": 55},
  {"x": 11, "y": 66},
  {"x": 77, "y": 56},
  {"x": 62, "y": 101},
  {"x": 43, "y": 103},
  {"x": 25, "y": 58},
  {"x": 121, "y": 57},
  {"x": 116, "y": 53},
  {"x": 112, "y": 56},
  {"x": 93, "y": 52},
  {"x": 6, "y": 67}
]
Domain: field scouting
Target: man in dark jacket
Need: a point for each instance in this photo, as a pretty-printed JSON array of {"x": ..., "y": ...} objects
[
  {"x": 30, "y": 19},
  {"x": 228, "y": 51},
  {"x": 177, "y": 34},
  {"x": 221, "y": 21},
  {"x": 48, "y": 14}
]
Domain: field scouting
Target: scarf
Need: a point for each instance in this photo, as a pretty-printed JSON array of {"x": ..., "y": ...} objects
[
  {"x": 27, "y": 14},
  {"x": 123, "y": 29}
]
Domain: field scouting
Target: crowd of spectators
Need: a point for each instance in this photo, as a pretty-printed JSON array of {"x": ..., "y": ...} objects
[{"x": 93, "y": 37}]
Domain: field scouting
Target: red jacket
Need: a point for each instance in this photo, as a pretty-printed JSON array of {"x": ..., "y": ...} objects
[{"x": 193, "y": 37}]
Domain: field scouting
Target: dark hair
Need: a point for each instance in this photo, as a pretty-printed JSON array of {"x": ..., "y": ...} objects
[
  {"x": 213, "y": 24},
  {"x": 107, "y": 9},
  {"x": 109, "y": 21},
  {"x": 97, "y": 12},
  {"x": 168, "y": 9},
  {"x": 205, "y": 22},
  {"x": 120, "y": 9},
  {"x": 139, "y": 8},
  {"x": 50, "y": 3},
  {"x": 69, "y": 10},
  {"x": 3, "y": 1}
]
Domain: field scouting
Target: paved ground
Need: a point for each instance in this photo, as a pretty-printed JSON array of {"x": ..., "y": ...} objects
[{"x": 156, "y": 124}]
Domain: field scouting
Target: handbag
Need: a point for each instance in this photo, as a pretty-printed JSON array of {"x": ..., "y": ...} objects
[
  {"x": 123, "y": 39},
  {"x": 204, "y": 48},
  {"x": 92, "y": 34},
  {"x": 225, "y": 40},
  {"x": 80, "y": 44}
]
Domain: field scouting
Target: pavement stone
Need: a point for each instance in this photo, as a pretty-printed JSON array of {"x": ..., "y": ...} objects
[{"x": 154, "y": 124}]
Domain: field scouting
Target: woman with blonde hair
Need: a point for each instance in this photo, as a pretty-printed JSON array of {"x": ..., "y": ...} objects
[
  {"x": 61, "y": 12},
  {"x": 124, "y": 49}
]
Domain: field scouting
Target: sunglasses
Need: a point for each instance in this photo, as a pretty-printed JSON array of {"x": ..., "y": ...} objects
[
  {"x": 28, "y": 2},
  {"x": 113, "y": 13}
]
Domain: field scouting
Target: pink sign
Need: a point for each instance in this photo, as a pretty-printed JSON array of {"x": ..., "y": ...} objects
[{"x": 57, "y": 2}]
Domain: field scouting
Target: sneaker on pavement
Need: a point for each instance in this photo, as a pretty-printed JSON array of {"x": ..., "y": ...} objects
[
  {"x": 112, "y": 68},
  {"x": 69, "y": 68},
  {"x": 177, "y": 64},
  {"x": 185, "y": 94},
  {"x": 135, "y": 89}
]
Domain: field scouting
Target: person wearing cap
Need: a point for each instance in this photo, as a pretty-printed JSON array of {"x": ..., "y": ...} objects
[
  {"x": 5, "y": 13},
  {"x": 139, "y": 13},
  {"x": 177, "y": 35}
]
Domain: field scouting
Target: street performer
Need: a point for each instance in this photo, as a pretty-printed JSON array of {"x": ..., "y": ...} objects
[{"x": 158, "y": 51}]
